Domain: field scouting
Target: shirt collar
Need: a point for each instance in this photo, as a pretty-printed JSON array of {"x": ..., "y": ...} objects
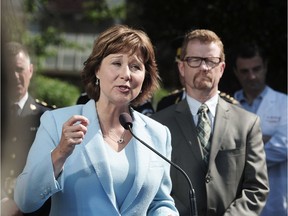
[
  {"x": 194, "y": 105},
  {"x": 240, "y": 96},
  {"x": 23, "y": 100}
]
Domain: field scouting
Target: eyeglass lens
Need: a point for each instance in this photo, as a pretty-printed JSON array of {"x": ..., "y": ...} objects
[{"x": 197, "y": 61}]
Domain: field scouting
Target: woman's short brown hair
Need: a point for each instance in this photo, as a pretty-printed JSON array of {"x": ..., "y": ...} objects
[{"x": 122, "y": 39}]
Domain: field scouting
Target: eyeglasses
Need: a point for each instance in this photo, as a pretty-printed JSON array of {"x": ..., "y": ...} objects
[{"x": 195, "y": 62}]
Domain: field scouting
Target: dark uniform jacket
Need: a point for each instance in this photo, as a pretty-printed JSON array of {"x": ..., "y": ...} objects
[
  {"x": 173, "y": 98},
  {"x": 18, "y": 132}
]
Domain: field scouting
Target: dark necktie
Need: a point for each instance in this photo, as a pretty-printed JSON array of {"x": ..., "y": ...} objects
[
  {"x": 15, "y": 110},
  {"x": 204, "y": 131}
]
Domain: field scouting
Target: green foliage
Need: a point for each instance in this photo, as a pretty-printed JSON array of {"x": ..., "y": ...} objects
[
  {"x": 98, "y": 11},
  {"x": 32, "y": 6},
  {"x": 46, "y": 40},
  {"x": 158, "y": 95},
  {"x": 46, "y": 43},
  {"x": 54, "y": 91}
]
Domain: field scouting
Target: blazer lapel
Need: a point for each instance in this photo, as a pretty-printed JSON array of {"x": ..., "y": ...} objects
[
  {"x": 95, "y": 148},
  {"x": 185, "y": 121},
  {"x": 97, "y": 155},
  {"x": 142, "y": 155},
  {"x": 29, "y": 107},
  {"x": 220, "y": 129}
]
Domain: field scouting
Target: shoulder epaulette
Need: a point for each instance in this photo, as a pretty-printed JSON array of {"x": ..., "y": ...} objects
[
  {"x": 42, "y": 103},
  {"x": 228, "y": 98},
  {"x": 176, "y": 91}
]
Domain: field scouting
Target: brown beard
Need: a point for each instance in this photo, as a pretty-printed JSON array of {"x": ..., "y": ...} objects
[{"x": 203, "y": 82}]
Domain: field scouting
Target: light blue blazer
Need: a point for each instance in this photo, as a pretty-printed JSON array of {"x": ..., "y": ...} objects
[{"x": 85, "y": 185}]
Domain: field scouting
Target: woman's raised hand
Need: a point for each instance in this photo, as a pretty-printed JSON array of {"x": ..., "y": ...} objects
[{"x": 73, "y": 132}]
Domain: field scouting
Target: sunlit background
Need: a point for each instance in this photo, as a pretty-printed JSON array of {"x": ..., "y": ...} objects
[{"x": 60, "y": 35}]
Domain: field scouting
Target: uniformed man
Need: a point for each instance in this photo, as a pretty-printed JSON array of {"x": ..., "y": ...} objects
[{"x": 21, "y": 121}]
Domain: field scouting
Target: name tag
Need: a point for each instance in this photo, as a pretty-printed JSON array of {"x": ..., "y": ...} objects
[{"x": 273, "y": 119}]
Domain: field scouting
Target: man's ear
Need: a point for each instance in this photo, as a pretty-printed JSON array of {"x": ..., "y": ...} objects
[
  {"x": 223, "y": 65},
  {"x": 31, "y": 68}
]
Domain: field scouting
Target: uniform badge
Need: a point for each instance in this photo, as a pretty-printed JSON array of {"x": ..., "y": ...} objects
[{"x": 33, "y": 107}]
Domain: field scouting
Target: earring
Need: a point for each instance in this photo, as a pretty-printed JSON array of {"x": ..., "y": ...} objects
[{"x": 97, "y": 81}]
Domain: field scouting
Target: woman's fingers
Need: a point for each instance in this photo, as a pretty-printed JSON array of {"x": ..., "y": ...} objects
[
  {"x": 76, "y": 120},
  {"x": 73, "y": 132}
]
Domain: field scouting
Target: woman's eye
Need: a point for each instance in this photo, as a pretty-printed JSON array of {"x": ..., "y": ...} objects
[
  {"x": 135, "y": 67},
  {"x": 116, "y": 63}
]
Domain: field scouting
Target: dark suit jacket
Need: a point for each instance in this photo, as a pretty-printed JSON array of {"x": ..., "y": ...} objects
[
  {"x": 235, "y": 182},
  {"x": 17, "y": 138}
]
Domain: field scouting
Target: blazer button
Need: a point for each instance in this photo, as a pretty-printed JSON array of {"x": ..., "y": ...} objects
[
  {"x": 42, "y": 196},
  {"x": 45, "y": 192},
  {"x": 13, "y": 155},
  {"x": 208, "y": 179}
]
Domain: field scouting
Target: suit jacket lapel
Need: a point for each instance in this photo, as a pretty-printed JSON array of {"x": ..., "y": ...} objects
[
  {"x": 96, "y": 152},
  {"x": 220, "y": 128},
  {"x": 28, "y": 107},
  {"x": 142, "y": 155},
  {"x": 95, "y": 148},
  {"x": 185, "y": 121}
]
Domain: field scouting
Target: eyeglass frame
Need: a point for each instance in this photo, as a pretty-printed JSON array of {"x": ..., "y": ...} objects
[{"x": 186, "y": 59}]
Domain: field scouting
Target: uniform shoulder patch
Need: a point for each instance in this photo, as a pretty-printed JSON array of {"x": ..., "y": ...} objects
[
  {"x": 44, "y": 104},
  {"x": 176, "y": 91},
  {"x": 228, "y": 98}
]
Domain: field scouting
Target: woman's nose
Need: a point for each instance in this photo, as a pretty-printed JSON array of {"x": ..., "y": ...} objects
[{"x": 126, "y": 72}]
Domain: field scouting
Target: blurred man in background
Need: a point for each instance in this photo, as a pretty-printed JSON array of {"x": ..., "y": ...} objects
[
  {"x": 21, "y": 117},
  {"x": 250, "y": 67}
]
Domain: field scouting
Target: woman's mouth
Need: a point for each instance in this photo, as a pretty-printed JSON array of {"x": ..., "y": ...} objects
[{"x": 124, "y": 88}]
